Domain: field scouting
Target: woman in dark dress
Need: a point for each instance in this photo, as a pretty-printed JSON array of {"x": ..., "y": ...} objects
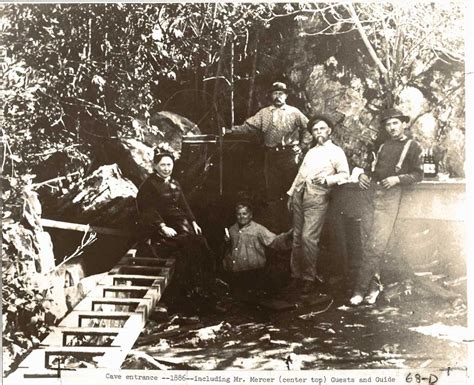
[{"x": 166, "y": 218}]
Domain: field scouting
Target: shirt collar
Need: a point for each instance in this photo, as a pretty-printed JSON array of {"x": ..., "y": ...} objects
[
  {"x": 246, "y": 226},
  {"x": 402, "y": 139},
  {"x": 283, "y": 107},
  {"x": 166, "y": 180}
]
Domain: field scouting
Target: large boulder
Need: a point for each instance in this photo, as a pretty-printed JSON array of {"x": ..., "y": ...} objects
[
  {"x": 133, "y": 157},
  {"x": 170, "y": 128},
  {"x": 105, "y": 198}
]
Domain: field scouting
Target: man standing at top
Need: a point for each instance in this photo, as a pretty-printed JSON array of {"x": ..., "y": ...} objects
[
  {"x": 324, "y": 166},
  {"x": 398, "y": 163},
  {"x": 284, "y": 136}
]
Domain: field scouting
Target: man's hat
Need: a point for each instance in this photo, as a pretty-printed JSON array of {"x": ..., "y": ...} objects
[
  {"x": 279, "y": 86},
  {"x": 393, "y": 113}
]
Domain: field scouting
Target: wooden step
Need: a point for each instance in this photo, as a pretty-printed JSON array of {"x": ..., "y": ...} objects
[
  {"x": 163, "y": 280},
  {"x": 59, "y": 334},
  {"x": 87, "y": 331},
  {"x": 144, "y": 261},
  {"x": 108, "y": 315},
  {"x": 137, "y": 269},
  {"x": 124, "y": 289},
  {"x": 115, "y": 301},
  {"x": 105, "y": 355}
]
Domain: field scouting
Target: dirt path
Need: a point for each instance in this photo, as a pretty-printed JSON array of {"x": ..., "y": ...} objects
[{"x": 244, "y": 336}]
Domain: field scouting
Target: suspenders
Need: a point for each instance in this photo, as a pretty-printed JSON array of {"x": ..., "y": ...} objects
[
  {"x": 403, "y": 155},
  {"x": 398, "y": 167}
]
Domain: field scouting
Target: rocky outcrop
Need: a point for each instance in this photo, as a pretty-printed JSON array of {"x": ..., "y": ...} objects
[
  {"x": 35, "y": 291},
  {"x": 133, "y": 157},
  {"x": 171, "y": 129},
  {"x": 105, "y": 198}
]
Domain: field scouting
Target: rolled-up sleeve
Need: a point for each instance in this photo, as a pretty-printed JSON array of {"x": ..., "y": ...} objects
[{"x": 341, "y": 168}]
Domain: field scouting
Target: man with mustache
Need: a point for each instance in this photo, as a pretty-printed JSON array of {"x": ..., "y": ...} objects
[
  {"x": 398, "y": 163},
  {"x": 324, "y": 166},
  {"x": 283, "y": 128}
]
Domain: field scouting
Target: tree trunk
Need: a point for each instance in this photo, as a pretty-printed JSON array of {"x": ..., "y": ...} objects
[{"x": 252, "y": 74}]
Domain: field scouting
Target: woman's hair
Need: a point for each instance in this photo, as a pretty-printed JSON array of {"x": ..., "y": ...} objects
[
  {"x": 320, "y": 118},
  {"x": 158, "y": 155}
]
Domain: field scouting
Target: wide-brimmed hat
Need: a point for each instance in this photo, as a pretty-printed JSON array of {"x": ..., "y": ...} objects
[
  {"x": 393, "y": 113},
  {"x": 279, "y": 86}
]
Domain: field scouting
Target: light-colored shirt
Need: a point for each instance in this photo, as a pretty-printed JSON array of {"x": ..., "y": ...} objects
[
  {"x": 285, "y": 125},
  {"x": 327, "y": 161},
  {"x": 247, "y": 247}
]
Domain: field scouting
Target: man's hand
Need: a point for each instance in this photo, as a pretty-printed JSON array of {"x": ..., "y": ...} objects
[
  {"x": 169, "y": 232},
  {"x": 320, "y": 180},
  {"x": 196, "y": 228},
  {"x": 226, "y": 130},
  {"x": 390, "y": 182},
  {"x": 364, "y": 181}
]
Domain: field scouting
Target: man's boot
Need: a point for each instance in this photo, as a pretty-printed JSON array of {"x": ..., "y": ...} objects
[{"x": 375, "y": 288}]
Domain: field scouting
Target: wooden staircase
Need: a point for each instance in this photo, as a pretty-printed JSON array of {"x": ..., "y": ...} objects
[{"x": 103, "y": 327}]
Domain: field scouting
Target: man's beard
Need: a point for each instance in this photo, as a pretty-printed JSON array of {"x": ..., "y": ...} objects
[{"x": 321, "y": 139}]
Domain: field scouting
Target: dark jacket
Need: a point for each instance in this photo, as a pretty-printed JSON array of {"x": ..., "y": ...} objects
[
  {"x": 388, "y": 156},
  {"x": 160, "y": 201}
]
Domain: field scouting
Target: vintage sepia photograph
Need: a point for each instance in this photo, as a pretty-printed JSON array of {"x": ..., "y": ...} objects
[{"x": 238, "y": 192}]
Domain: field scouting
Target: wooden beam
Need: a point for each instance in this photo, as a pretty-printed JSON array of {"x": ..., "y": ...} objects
[
  {"x": 146, "y": 270},
  {"x": 143, "y": 261},
  {"x": 84, "y": 228}
]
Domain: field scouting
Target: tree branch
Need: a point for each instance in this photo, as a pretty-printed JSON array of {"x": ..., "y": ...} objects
[{"x": 366, "y": 41}]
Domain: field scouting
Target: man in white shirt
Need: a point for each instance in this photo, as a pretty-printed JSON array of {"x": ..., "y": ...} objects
[{"x": 324, "y": 166}]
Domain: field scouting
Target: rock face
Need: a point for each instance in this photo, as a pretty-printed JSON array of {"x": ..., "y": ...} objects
[
  {"x": 27, "y": 240},
  {"x": 35, "y": 292},
  {"x": 171, "y": 129},
  {"x": 133, "y": 157},
  {"x": 346, "y": 106},
  {"x": 105, "y": 198}
]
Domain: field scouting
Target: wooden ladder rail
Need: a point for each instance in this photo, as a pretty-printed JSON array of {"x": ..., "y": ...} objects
[{"x": 136, "y": 284}]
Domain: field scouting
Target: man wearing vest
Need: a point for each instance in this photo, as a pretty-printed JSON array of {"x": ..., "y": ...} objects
[{"x": 398, "y": 163}]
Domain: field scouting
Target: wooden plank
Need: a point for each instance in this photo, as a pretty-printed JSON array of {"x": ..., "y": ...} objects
[
  {"x": 125, "y": 339},
  {"x": 145, "y": 261},
  {"x": 163, "y": 280},
  {"x": 78, "y": 352},
  {"x": 84, "y": 228},
  {"x": 115, "y": 301},
  {"x": 136, "y": 269},
  {"x": 106, "y": 315},
  {"x": 125, "y": 289},
  {"x": 88, "y": 331},
  {"x": 426, "y": 200},
  {"x": 59, "y": 334}
]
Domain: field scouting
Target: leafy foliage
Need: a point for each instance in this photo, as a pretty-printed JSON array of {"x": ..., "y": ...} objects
[{"x": 77, "y": 75}]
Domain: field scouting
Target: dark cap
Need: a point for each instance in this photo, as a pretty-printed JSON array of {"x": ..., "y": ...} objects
[
  {"x": 393, "y": 113},
  {"x": 319, "y": 118},
  {"x": 279, "y": 86}
]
